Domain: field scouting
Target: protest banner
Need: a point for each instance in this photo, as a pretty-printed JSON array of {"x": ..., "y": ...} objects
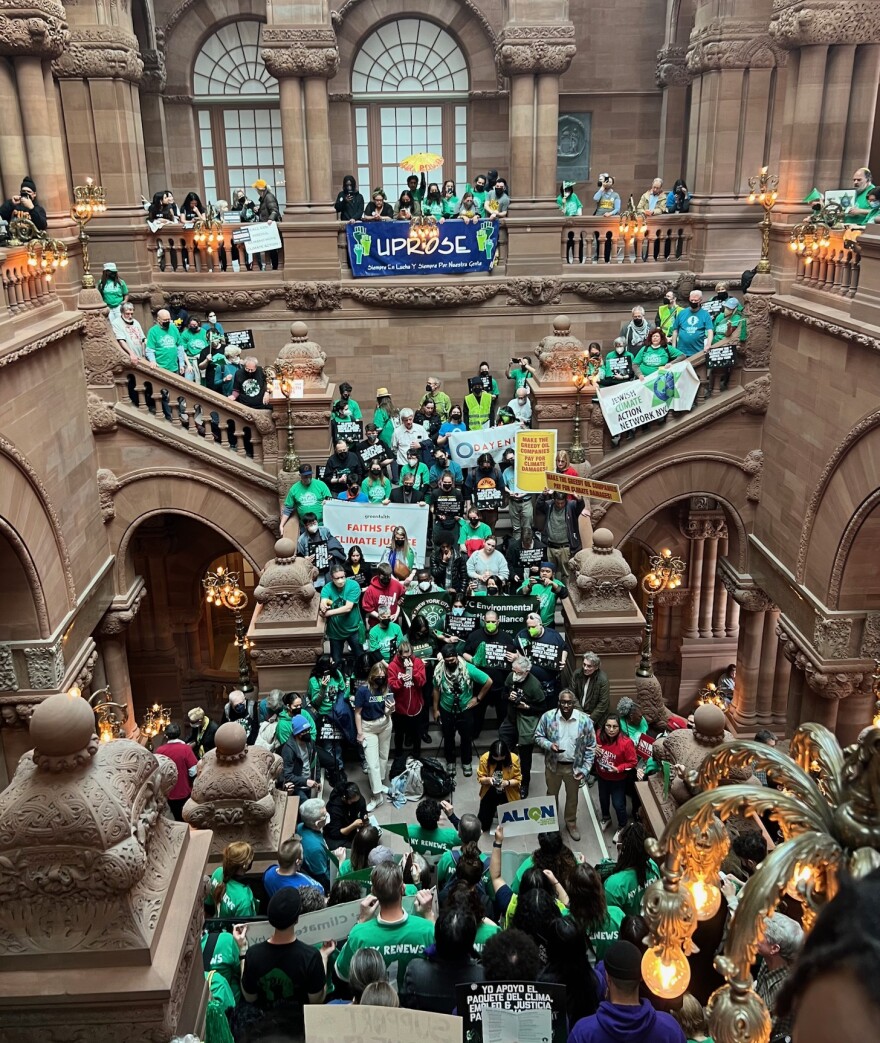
[
  {"x": 349, "y": 1022},
  {"x": 369, "y": 525},
  {"x": 535, "y": 455},
  {"x": 635, "y": 403},
  {"x": 256, "y": 238},
  {"x": 390, "y": 248},
  {"x": 721, "y": 357},
  {"x": 243, "y": 339},
  {"x": 512, "y": 611},
  {"x": 586, "y": 487},
  {"x": 434, "y": 607},
  {"x": 532, "y": 815},
  {"x": 466, "y": 446},
  {"x": 512, "y": 1012}
]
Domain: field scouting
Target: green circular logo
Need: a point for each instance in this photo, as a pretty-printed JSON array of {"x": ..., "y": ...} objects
[{"x": 535, "y": 814}]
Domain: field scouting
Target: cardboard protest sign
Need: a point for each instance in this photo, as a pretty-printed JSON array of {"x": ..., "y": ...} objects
[
  {"x": 532, "y": 815},
  {"x": 513, "y": 1012},
  {"x": 586, "y": 487},
  {"x": 535, "y": 455}
]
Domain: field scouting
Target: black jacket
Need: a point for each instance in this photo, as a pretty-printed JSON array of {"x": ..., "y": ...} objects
[
  {"x": 342, "y": 814},
  {"x": 11, "y": 210},
  {"x": 573, "y": 509},
  {"x": 201, "y": 747},
  {"x": 340, "y": 469},
  {"x": 518, "y": 569},
  {"x": 418, "y": 495},
  {"x": 349, "y": 203},
  {"x": 459, "y": 569},
  {"x": 298, "y": 759},
  {"x": 267, "y": 208}
]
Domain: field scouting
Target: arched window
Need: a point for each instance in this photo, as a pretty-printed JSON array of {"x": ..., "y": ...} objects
[
  {"x": 409, "y": 82},
  {"x": 240, "y": 139}
]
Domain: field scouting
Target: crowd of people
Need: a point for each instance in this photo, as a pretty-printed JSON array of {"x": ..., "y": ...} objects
[{"x": 488, "y": 198}]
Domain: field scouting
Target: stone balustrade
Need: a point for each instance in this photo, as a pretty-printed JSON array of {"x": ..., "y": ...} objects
[
  {"x": 25, "y": 286},
  {"x": 834, "y": 268},
  {"x": 599, "y": 241}
]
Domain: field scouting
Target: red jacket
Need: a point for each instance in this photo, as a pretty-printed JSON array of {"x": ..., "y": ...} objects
[
  {"x": 408, "y": 699},
  {"x": 184, "y": 759},
  {"x": 376, "y": 596},
  {"x": 614, "y": 758}
]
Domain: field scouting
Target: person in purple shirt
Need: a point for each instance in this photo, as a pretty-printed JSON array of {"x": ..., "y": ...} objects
[
  {"x": 624, "y": 1017},
  {"x": 288, "y": 871}
]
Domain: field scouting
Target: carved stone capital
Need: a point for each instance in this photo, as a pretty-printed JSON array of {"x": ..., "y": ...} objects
[
  {"x": 8, "y": 677},
  {"x": 116, "y": 620},
  {"x": 799, "y": 23},
  {"x": 756, "y": 398},
  {"x": 751, "y": 598},
  {"x": 704, "y": 527},
  {"x": 829, "y": 686},
  {"x": 672, "y": 70},
  {"x": 102, "y": 419},
  {"x": 100, "y": 52},
  {"x": 719, "y": 46},
  {"x": 870, "y": 646},
  {"x": 533, "y": 49},
  {"x": 45, "y": 667},
  {"x": 832, "y": 636},
  {"x": 155, "y": 76},
  {"x": 300, "y": 52},
  {"x": 36, "y": 28}
]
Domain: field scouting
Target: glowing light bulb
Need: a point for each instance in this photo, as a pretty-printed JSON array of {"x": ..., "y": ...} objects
[
  {"x": 74, "y": 691},
  {"x": 666, "y": 975},
  {"x": 707, "y": 898}
]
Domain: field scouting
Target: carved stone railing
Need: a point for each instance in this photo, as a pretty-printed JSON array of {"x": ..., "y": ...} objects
[
  {"x": 25, "y": 287},
  {"x": 834, "y": 268},
  {"x": 599, "y": 241},
  {"x": 198, "y": 412}
]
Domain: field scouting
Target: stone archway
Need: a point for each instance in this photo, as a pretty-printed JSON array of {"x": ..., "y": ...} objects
[{"x": 24, "y": 613}]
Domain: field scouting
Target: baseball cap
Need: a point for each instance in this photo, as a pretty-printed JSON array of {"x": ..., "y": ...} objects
[
  {"x": 283, "y": 909},
  {"x": 306, "y": 469},
  {"x": 259, "y": 184},
  {"x": 623, "y": 961},
  {"x": 110, "y": 266},
  {"x": 731, "y": 302}
]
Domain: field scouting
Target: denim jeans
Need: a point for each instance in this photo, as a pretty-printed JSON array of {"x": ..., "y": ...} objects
[{"x": 615, "y": 793}]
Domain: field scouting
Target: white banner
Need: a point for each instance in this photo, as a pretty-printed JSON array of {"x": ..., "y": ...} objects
[
  {"x": 354, "y": 1023},
  {"x": 370, "y": 526},
  {"x": 323, "y": 925},
  {"x": 256, "y": 238},
  {"x": 639, "y": 402},
  {"x": 532, "y": 815},
  {"x": 466, "y": 446}
]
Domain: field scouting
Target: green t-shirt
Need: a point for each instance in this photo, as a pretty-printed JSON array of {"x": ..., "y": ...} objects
[
  {"x": 432, "y": 841},
  {"x": 226, "y": 961},
  {"x": 221, "y": 990},
  {"x": 608, "y": 932},
  {"x": 398, "y": 942},
  {"x": 520, "y": 873},
  {"x": 114, "y": 293},
  {"x": 465, "y": 532},
  {"x": 346, "y": 623},
  {"x": 624, "y": 890},
  {"x": 479, "y": 197},
  {"x": 381, "y": 640},
  {"x": 305, "y": 498},
  {"x": 452, "y": 702},
  {"x": 354, "y": 410},
  {"x": 165, "y": 343},
  {"x": 519, "y": 377},
  {"x": 377, "y": 491},
  {"x": 737, "y": 320},
  {"x": 650, "y": 359},
  {"x": 285, "y": 721},
  {"x": 450, "y": 205},
  {"x": 862, "y": 203},
  {"x": 238, "y": 899},
  {"x": 420, "y": 471},
  {"x": 322, "y": 704},
  {"x": 194, "y": 343},
  {"x": 634, "y": 731},
  {"x": 547, "y": 598},
  {"x": 484, "y": 933}
]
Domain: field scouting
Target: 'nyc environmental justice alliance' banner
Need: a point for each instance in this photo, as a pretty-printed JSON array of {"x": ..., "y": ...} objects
[
  {"x": 635, "y": 403},
  {"x": 389, "y": 248}
]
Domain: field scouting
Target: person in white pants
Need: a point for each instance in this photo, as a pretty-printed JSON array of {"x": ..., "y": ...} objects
[{"x": 373, "y": 706}]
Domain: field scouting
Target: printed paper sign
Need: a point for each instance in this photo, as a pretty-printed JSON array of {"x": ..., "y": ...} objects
[
  {"x": 722, "y": 356},
  {"x": 461, "y": 626},
  {"x": 350, "y": 430},
  {"x": 513, "y": 1012},
  {"x": 638, "y": 402},
  {"x": 258, "y": 237},
  {"x": 466, "y": 446},
  {"x": 350, "y": 1022},
  {"x": 243, "y": 339},
  {"x": 532, "y": 815},
  {"x": 568, "y": 483},
  {"x": 370, "y": 526},
  {"x": 373, "y": 452},
  {"x": 535, "y": 455}
]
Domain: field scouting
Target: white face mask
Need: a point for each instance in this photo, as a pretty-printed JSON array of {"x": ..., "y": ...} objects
[{"x": 425, "y": 585}]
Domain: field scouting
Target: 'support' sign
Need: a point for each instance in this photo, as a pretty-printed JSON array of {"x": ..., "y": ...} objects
[
  {"x": 258, "y": 237},
  {"x": 390, "y": 248},
  {"x": 370, "y": 526},
  {"x": 465, "y": 447},
  {"x": 636, "y": 403}
]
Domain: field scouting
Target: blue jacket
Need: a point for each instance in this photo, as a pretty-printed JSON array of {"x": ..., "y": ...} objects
[
  {"x": 616, "y": 1023},
  {"x": 316, "y": 855},
  {"x": 547, "y": 733}
]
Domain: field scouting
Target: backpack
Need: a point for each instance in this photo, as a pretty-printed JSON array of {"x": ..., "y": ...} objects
[
  {"x": 266, "y": 736},
  {"x": 343, "y": 719},
  {"x": 436, "y": 780},
  {"x": 407, "y": 782}
]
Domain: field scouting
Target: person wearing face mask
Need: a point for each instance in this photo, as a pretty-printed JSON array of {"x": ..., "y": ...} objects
[
  {"x": 130, "y": 334},
  {"x": 472, "y": 532},
  {"x": 243, "y": 710},
  {"x": 293, "y": 710},
  {"x": 428, "y": 418},
  {"x": 484, "y": 489},
  {"x": 417, "y": 470},
  {"x": 432, "y": 204},
  {"x": 524, "y": 555},
  {"x": 449, "y": 198},
  {"x": 448, "y": 564},
  {"x": 372, "y": 450},
  {"x": 568, "y": 740},
  {"x": 485, "y": 562},
  {"x": 593, "y": 366},
  {"x": 443, "y": 467},
  {"x": 479, "y": 190},
  {"x": 521, "y": 407},
  {"x": 692, "y": 328},
  {"x": 525, "y": 703},
  {"x": 339, "y": 609},
  {"x": 730, "y": 333},
  {"x": 373, "y": 706},
  {"x": 454, "y": 423},
  {"x": 442, "y": 401},
  {"x": 306, "y": 496},
  {"x": 321, "y": 547},
  {"x": 459, "y": 687},
  {"x": 547, "y": 589},
  {"x": 487, "y": 647},
  {"x": 406, "y": 679},
  {"x": 353, "y": 493},
  {"x": 497, "y": 201},
  {"x": 313, "y": 818},
  {"x": 341, "y": 465},
  {"x": 376, "y": 486},
  {"x": 546, "y": 649},
  {"x": 520, "y": 505},
  {"x": 619, "y": 365},
  {"x": 349, "y": 203},
  {"x": 636, "y": 331},
  {"x": 384, "y": 591},
  {"x": 249, "y": 385},
  {"x": 407, "y": 492},
  {"x": 400, "y": 556},
  {"x": 567, "y": 201},
  {"x": 408, "y": 436},
  {"x": 300, "y": 762},
  {"x": 164, "y": 342},
  {"x": 667, "y": 312},
  {"x": 384, "y": 637},
  {"x": 424, "y": 583},
  {"x": 213, "y": 330}
]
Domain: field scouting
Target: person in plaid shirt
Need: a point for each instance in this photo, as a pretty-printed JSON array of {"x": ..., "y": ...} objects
[{"x": 568, "y": 740}]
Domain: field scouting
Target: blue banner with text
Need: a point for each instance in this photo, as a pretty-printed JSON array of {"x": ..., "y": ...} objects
[{"x": 389, "y": 248}]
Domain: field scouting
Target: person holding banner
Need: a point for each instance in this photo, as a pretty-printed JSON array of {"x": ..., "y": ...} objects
[
  {"x": 560, "y": 529},
  {"x": 454, "y": 703}
]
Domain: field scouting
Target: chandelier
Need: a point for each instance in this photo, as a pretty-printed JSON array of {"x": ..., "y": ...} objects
[
  {"x": 827, "y": 805},
  {"x": 46, "y": 254},
  {"x": 709, "y": 695},
  {"x": 156, "y": 720},
  {"x": 208, "y": 230}
]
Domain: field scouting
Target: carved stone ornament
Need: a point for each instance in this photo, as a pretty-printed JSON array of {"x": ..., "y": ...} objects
[
  {"x": 300, "y": 52},
  {"x": 863, "y": 340},
  {"x": 431, "y": 296},
  {"x": 45, "y": 667},
  {"x": 108, "y": 486},
  {"x": 17, "y": 714},
  {"x": 8, "y": 677},
  {"x": 672, "y": 70},
  {"x": 870, "y": 647},
  {"x": 302, "y": 358},
  {"x": 286, "y": 589},
  {"x": 155, "y": 75},
  {"x": 631, "y": 290},
  {"x": 313, "y": 296},
  {"x": 214, "y": 300},
  {"x": 534, "y": 291},
  {"x": 832, "y": 636},
  {"x": 284, "y": 656},
  {"x": 720, "y": 45},
  {"x": 603, "y": 581},
  {"x": 758, "y": 343},
  {"x": 800, "y": 23},
  {"x": 36, "y": 28},
  {"x": 756, "y": 396},
  {"x": 535, "y": 49},
  {"x": 98, "y": 878},
  {"x": 234, "y": 792},
  {"x": 102, "y": 418},
  {"x": 100, "y": 52},
  {"x": 753, "y": 464},
  {"x": 696, "y": 525},
  {"x": 117, "y": 620},
  {"x": 559, "y": 354},
  {"x": 102, "y": 354},
  {"x": 649, "y": 699}
]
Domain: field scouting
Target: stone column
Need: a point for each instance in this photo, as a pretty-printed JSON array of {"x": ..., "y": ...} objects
[
  {"x": 732, "y": 619},
  {"x": 833, "y": 121},
  {"x": 767, "y": 669},
  {"x": 546, "y": 134},
  {"x": 781, "y": 684},
  {"x": 310, "y": 57},
  {"x": 522, "y": 141},
  {"x": 862, "y": 107},
  {"x": 112, "y": 638},
  {"x": 153, "y": 130},
  {"x": 44, "y": 151},
  {"x": 12, "y": 147},
  {"x": 755, "y": 605},
  {"x": 673, "y": 77},
  {"x": 707, "y": 586},
  {"x": 695, "y": 580},
  {"x": 796, "y": 686},
  {"x": 797, "y": 166}
]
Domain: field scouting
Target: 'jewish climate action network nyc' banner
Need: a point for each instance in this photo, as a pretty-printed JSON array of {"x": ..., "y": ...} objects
[
  {"x": 635, "y": 402},
  {"x": 390, "y": 248}
]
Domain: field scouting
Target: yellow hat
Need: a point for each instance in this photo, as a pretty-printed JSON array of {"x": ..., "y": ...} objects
[
  {"x": 259, "y": 184},
  {"x": 382, "y": 392},
  {"x": 196, "y": 714}
]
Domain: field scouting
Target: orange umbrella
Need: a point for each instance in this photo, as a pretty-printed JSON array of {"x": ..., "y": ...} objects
[{"x": 422, "y": 162}]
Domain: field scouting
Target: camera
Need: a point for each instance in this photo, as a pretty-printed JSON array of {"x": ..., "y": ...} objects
[{"x": 428, "y": 388}]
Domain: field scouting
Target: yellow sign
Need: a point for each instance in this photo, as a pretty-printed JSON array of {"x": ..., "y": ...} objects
[
  {"x": 568, "y": 483},
  {"x": 535, "y": 454}
]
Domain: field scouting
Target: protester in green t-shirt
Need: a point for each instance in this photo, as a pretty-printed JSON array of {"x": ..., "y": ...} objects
[
  {"x": 471, "y": 528},
  {"x": 399, "y": 936},
  {"x": 230, "y": 896},
  {"x": 306, "y": 496},
  {"x": 384, "y": 636},
  {"x": 458, "y": 687},
  {"x": 588, "y": 905},
  {"x": 519, "y": 371},
  {"x": 427, "y": 838},
  {"x": 339, "y": 608},
  {"x": 730, "y": 332},
  {"x": 626, "y": 886},
  {"x": 164, "y": 341},
  {"x": 547, "y": 590}
]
